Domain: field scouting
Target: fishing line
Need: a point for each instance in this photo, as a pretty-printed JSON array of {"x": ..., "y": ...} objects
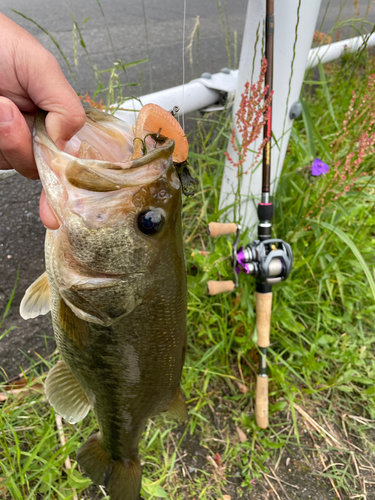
[
  {"x": 148, "y": 46},
  {"x": 183, "y": 67}
]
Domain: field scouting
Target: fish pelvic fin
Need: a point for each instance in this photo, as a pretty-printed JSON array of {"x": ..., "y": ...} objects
[
  {"x": 122, "y": 479},
  {"x": 177, "y": 409},
  {"x": 65, "y": 394},
  {"x": 36, "y": 299}
]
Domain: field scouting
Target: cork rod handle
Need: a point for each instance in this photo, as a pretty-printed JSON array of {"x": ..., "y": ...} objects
[
  {"x": 263, "y": 313},
  {"x": 263, "y": 321},
  {"x": 215, "y": 287},
  {"x": 261, "y": 402},
  {"x": 216, "y": 229}
]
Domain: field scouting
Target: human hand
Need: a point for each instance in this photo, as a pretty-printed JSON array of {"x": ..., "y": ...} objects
[{"x": 30, "y": 77}]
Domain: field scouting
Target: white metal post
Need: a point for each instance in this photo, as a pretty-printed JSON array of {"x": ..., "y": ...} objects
[{"x": 295, "y": 22}]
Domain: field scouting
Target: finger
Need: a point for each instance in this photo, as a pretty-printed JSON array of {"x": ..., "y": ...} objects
[
  {"x": 46, "y": 214},
  {"x": 4, "y": 164},
  {"x": 37, "y": 80},
  {"x": 53, "y": 93},
  {"x": 15, "y": 140}
]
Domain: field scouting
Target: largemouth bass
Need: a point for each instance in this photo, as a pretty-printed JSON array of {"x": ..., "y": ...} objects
[{"x": 115, "y": 283}]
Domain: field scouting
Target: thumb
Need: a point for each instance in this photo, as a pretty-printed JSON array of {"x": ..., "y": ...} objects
[
  {"x": 63, "y": 123},
  {"x": 49, "y": 90}
]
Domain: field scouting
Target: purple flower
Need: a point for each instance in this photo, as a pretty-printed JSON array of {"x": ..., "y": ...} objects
[{"x": 319, "y": 168}]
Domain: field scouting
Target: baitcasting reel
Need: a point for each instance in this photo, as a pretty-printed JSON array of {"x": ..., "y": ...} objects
[{"x": 269, "y": 261}]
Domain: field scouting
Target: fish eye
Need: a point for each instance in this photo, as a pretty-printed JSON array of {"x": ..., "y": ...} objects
[{"x": 150, "y": 222}]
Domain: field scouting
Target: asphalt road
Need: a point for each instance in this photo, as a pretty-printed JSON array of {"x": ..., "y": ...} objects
[
  {"x": 21, "y": 232},
  {"x": 127, "y": 23}
]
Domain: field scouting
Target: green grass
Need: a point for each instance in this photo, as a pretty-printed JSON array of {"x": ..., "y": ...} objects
[
  {"x": 6, "y": 311},
  {"x": 322, "y": 363}
]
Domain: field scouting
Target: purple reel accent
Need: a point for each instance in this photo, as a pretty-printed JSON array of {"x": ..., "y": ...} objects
[{"x": 241, "y": 264}]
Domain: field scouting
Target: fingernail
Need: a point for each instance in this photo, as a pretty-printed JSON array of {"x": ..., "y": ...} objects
[{"x": 6, "y": 111}]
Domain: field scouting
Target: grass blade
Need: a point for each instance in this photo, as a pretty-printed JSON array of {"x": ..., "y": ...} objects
[
  {"x": 9, "y": 301},
  {"x": 353, "y": 247},
  {"x": 309, "y": 128},
  {"x": 326, "y": 93}
]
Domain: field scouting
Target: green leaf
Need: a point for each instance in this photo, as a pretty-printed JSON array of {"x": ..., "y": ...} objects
[
  {"x": 326, "y": 93},
  {"x": 153, "y": 490},
  {"x": 345, "y": 388},
  {"x": 326, "y": 339},
  {"x": 280, "y": 406},
  {"x": 309, "y": 128}
]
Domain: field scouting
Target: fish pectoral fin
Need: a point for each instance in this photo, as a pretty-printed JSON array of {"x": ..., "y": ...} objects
[
  {"x": 36, "y": 299},
  {"x": 122, "y": 478},
  {"x": 65, "y": 394},
  {"x": 177, "y": 408}
]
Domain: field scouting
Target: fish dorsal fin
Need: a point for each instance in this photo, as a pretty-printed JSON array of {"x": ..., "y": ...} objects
[
  {"x": 177, "y": 408},
  {"x": 36, "y": 299},
  {"x": 65, "y": 394}
]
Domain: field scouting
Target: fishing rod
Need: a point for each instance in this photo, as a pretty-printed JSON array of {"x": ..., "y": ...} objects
[{"x": 268, "y": 260}]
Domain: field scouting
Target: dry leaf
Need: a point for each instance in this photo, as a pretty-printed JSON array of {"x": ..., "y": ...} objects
[
  {"x": 322, "y": 37},
  {"x": 241, "y": 434},
  {"x": 210, "y": 459},
  {"x": 93, "y": 104},
  {"x": 225, "y": 497},
  {"x": 3, "y": 488},
  {"x": 20, "y": 393},
  {"x": 242, "y": 387}
]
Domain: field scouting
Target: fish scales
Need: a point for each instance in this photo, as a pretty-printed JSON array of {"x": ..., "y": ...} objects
[{"x": 116, "y": 286}]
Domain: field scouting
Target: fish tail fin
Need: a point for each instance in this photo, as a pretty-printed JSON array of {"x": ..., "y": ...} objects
[{"x": 121, "y": 478}]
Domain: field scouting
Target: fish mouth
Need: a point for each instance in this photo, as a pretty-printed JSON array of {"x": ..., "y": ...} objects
[{"x": 102, "y": 176}]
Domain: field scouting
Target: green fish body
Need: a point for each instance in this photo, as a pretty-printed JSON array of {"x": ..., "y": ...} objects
[{"x": 115, "y": 283}]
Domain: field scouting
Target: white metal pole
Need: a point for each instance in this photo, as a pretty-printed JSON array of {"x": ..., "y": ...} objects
[
  {"x": 295, "y": 22},
  {"x": 328, "y": 53}
]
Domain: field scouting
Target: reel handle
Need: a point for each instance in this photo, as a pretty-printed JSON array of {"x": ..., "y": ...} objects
[
  {"x": 216, "y": 229},
  {"x": 215, "y": 287}
]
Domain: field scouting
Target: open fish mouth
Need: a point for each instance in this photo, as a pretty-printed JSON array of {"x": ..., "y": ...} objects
[{"x": 97, "y": 174}]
